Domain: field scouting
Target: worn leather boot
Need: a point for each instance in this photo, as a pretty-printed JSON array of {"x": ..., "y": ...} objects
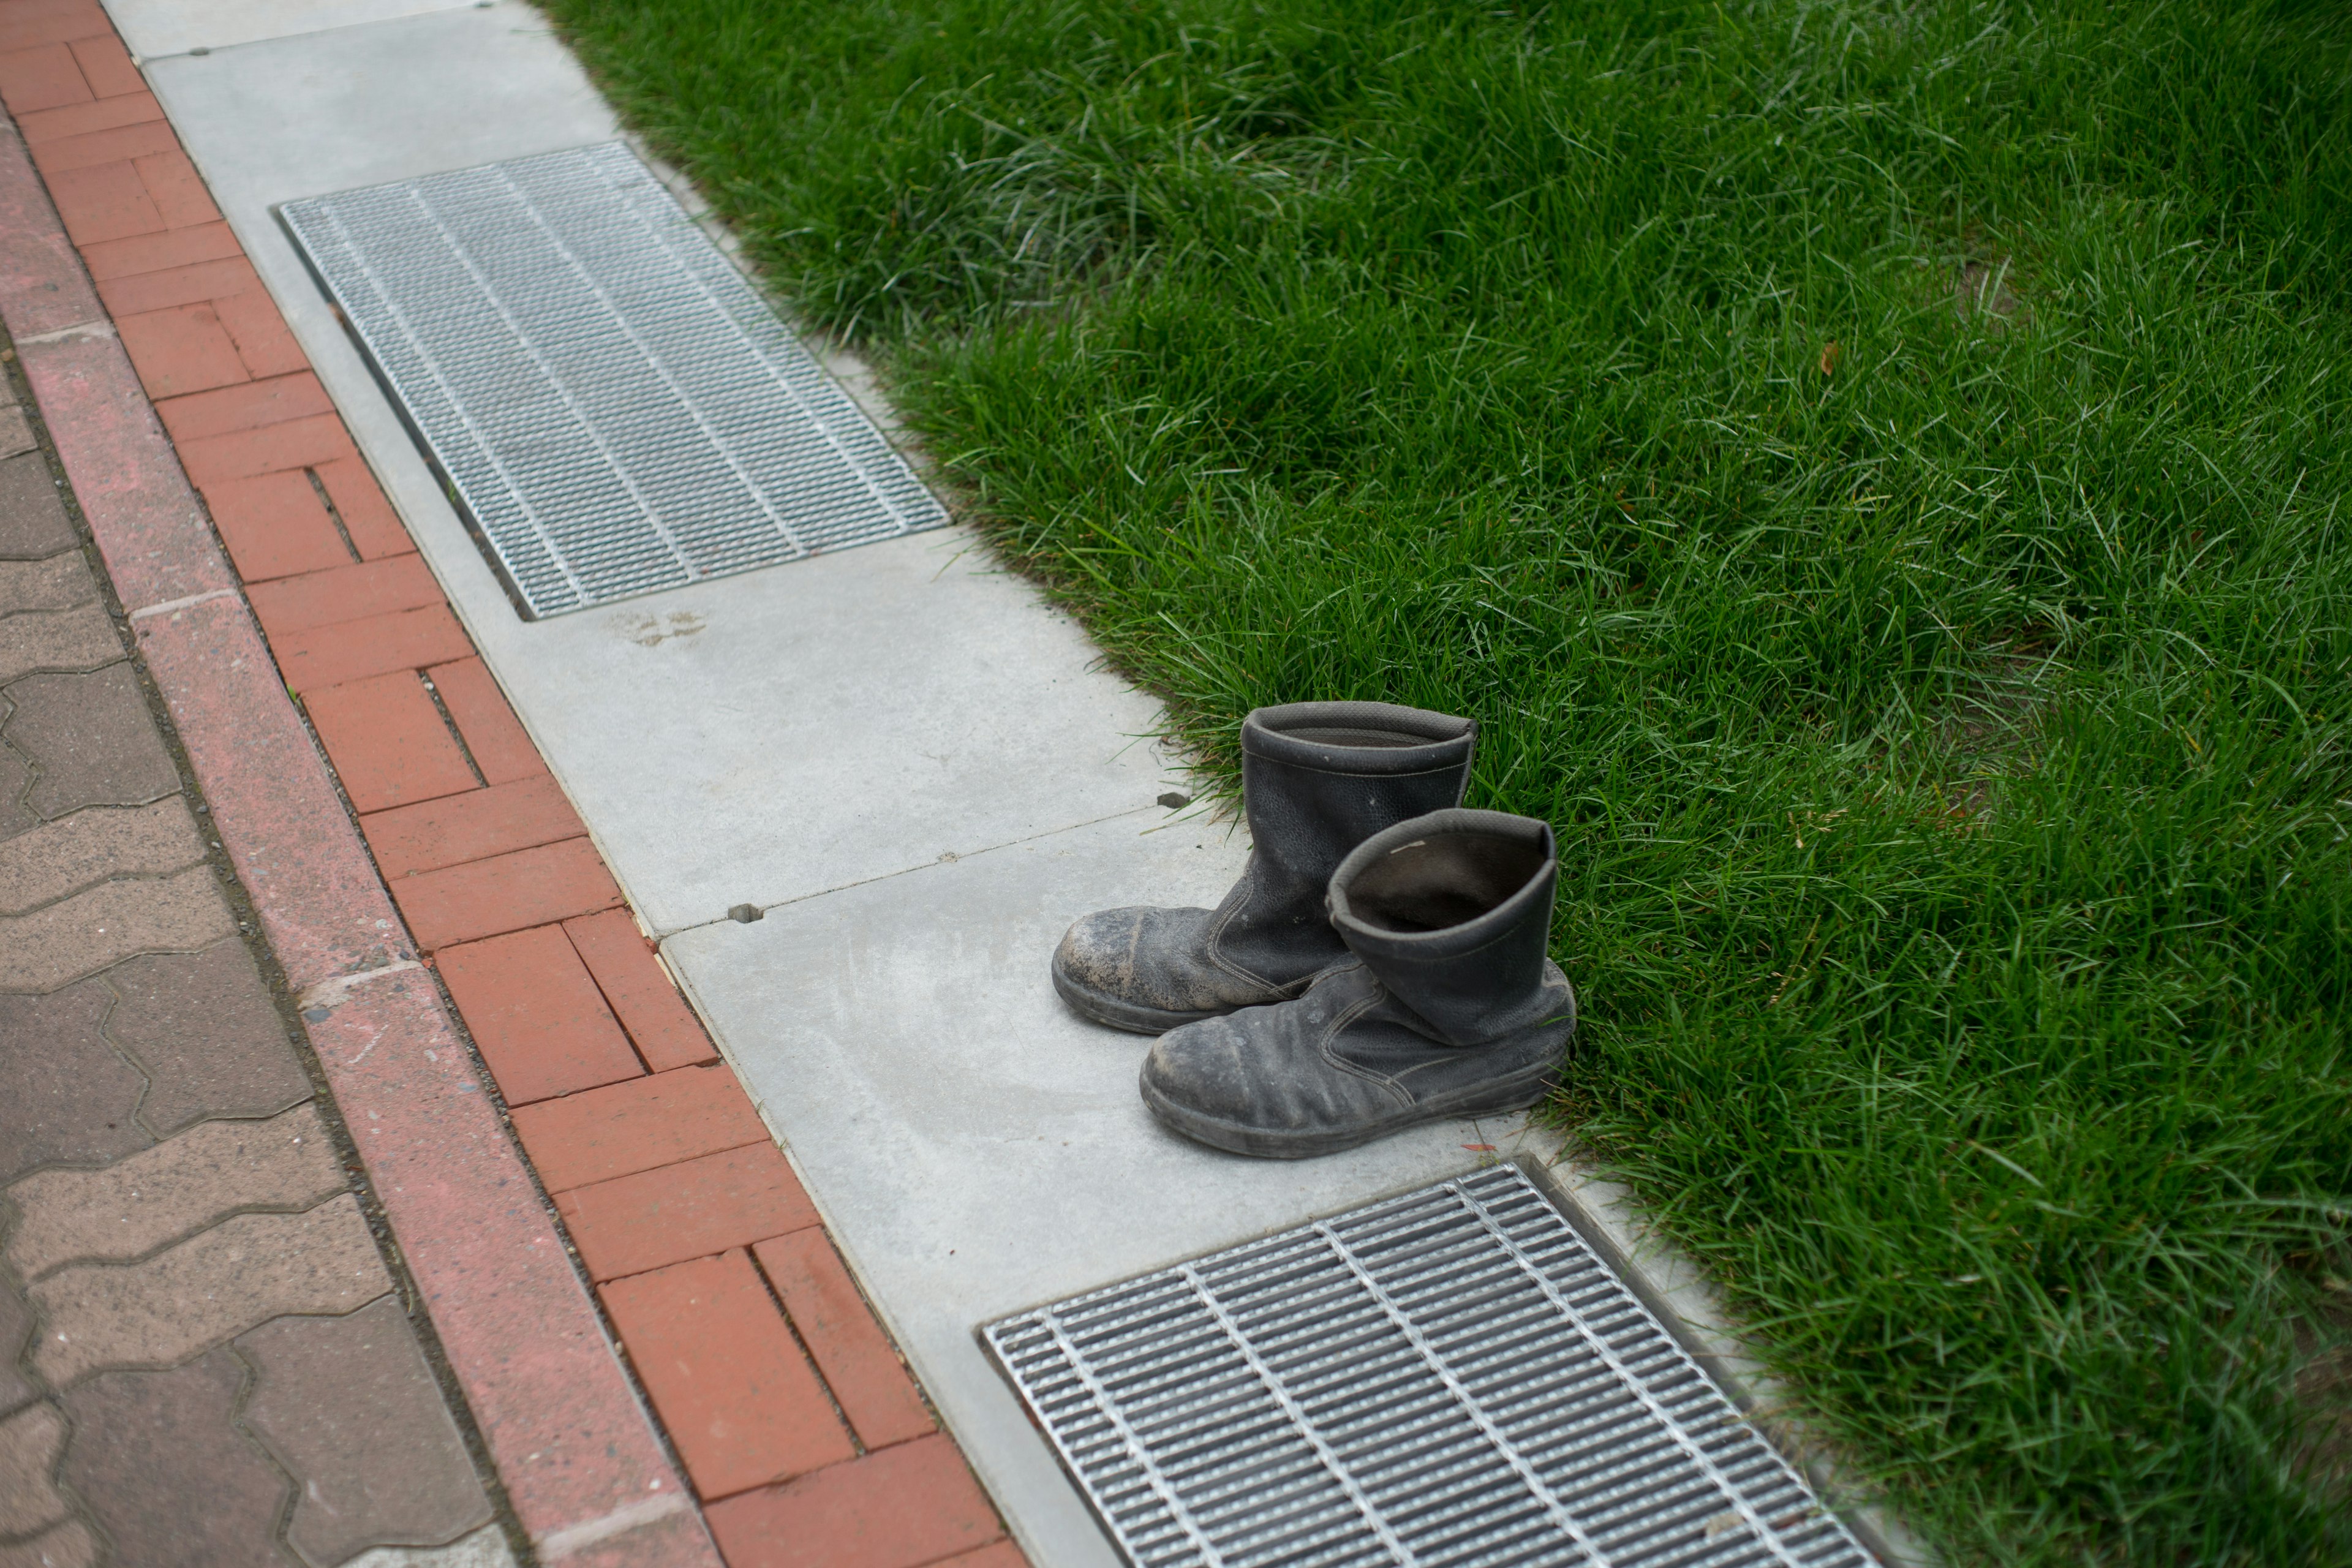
[
  {"x": 1450, "y": 1007},
  {"x": 1317, "y": 779}
]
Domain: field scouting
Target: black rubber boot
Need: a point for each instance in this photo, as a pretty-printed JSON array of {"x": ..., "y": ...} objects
[
  {"x": 1317, "y": 779},
  {"x": 1449, "y": 1009}
]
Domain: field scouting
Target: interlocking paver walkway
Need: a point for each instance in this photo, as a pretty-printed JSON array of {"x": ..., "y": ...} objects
[{"x": 205, "y": 1358}]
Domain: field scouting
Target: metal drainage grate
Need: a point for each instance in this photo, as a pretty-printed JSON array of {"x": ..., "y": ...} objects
[
  {"x": 1451, "y": 1377},
  {"x": 613, "y": 404}
]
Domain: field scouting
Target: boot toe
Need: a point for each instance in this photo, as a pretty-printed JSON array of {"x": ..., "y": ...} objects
[
  {"x": 1208, "y": 1070},
  {"x": 1135, "y": 968},
  {"x": 1255, "y": 1083}
]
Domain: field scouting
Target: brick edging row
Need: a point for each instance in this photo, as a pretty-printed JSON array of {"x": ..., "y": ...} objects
[{"x": 794, "y": 1418}]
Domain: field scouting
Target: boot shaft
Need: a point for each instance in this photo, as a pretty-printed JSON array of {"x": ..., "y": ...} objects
[
  {"x": 1451, "y": 913},
  {"x": 1318, "y": 778}
]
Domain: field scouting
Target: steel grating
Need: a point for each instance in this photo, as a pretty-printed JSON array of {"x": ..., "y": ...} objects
[
  {"x": 611, "y": 403},
  {"x": 1452, "y": 1377}
]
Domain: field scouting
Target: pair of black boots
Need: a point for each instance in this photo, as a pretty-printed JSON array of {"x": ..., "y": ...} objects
[{"x": 1380, "y": 964}]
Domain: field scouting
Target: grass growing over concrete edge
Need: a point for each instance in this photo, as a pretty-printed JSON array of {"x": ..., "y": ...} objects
[{"x": 1876, "y": 472}]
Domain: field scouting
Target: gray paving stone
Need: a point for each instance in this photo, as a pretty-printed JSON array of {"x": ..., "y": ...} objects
[
  {"x": 33, "y": 521},
  {"x": 15, "y": 432},
  {"x": 90, "y": 846},
  {"x": 29, "y": 1443},
  {"x": 59, "y": 583},
  {"x": 106, "y": 924},
  {"x": 203, "y": 1025},
  {"x": 70, "y": 1545},
  {"x": 350, "y": 1408},
  {"x": 89, "y": 740},
  {"x": 218, "y": 1283},
  {"x": 72, "y": 1099},
  {"x": 157, "y": 1460},
  {"x": 131, "y": 1208},
  {"x": 82, "y": 638}
]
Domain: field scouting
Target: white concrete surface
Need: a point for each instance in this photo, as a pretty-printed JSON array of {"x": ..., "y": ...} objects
[
  {"x": 979, "y": 1147},
  {"x": 907, "y": 759},
  {"x": 756, "y": 738},
  {"x": 153, "y": 28}
]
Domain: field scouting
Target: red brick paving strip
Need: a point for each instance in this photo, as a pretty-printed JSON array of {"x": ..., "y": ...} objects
[
  {"x": 473, "y": 826},
  {"x": 668, "y": 1178},
  {"x": 733, "y": 1199},
  {"x": 740, "y": 1400},
  {"x": 896, "y": 1507},
  {"x": 865, "y": 1373},
  {"x": 537, "y": 1014}
]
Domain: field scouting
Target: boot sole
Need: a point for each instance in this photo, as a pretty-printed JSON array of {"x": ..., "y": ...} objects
[
  {"x": 1516, "y": 1093},
  {"x": 1134, "y": 1018}
]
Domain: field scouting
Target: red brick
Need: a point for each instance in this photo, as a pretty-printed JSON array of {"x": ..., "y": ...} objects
[
  {"x": 999, "y": 1554},
  {"x": 665, "y": 1029},
  {"x": 104, "y": 147},
  {"x": 294, "y": 444},
  {"x": 177, "y": 190},
  {"x": 474, "y": 826},
  {"x": 27, "y": 22},
  {"x": 243, "y": 407},
  {"x": 82, "y": 119},
  {"x": 536, "y": 1015},
  {"x": 864, "y": 1372},
  {"x": 103, "y": 202},
  {"x": 656, "y": 1218},
  {"x": 198, "y": 281},
  {"x": 636, "y": 1126},
  {"x": 154, "y": 252},
  {"x": 374, "y": 527},
  {"x": 252, "y": 319},
  {"x": 351, "y": 650},
  {"x": 349, "y": 592},
  {"x": 44, "y": 76},
  {"x": 180, "y": 351},
  {"x": 734, "y": 1392},
  {"x": 106, "y": 65},
  {"x": 388, "y": 741},
  {"x": 483, "y": 898},
  {"x": 500, "y": 747},
  {"x": 276, "y": 526},
  {"x": 902, "y": 1507}
]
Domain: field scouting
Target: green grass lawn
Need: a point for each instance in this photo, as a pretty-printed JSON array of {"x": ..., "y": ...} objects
[{"x": 1878, "y": 473}]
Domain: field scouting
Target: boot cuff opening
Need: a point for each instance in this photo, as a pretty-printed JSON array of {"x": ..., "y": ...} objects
[
  {"x": 1442, "y": 873},
  {"x": 1369, "y": 737}
]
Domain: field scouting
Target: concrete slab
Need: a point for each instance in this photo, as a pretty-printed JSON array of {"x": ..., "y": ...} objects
[
  {"x": 271, "y": 119},
  {"x": 153, "y": 28},
  {"x": 974, "y": 1147},
  {"x": 757, "y": 739}
]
